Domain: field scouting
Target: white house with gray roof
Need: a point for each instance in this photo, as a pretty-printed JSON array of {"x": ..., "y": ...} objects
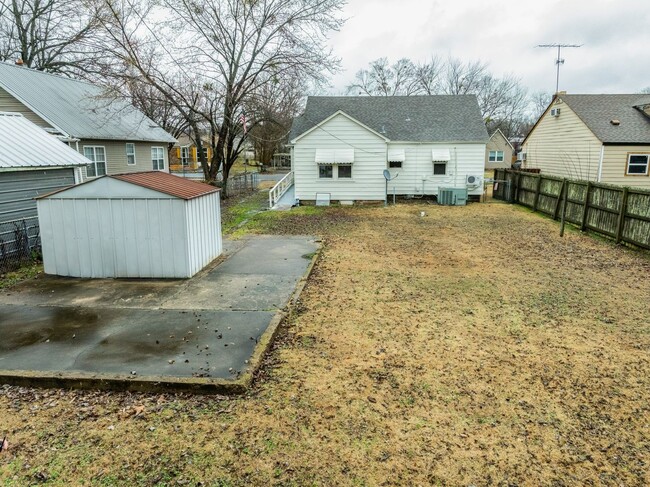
[
  {"x": 600, "y": 138},
  {"x": 342, "y": 145},
  {"x": 113, "y": 135}
]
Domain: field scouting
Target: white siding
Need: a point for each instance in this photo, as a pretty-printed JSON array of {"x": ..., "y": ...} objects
[
  {"x": 563, "y": 146},
  {"x": 367, "y": 182},
  {"x": 203, "y": 216},
  {"x": 416, "y": 177},
  {"x": 137, "y": 238}
]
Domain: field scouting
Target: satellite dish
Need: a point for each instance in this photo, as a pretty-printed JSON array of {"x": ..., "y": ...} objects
[{"x": 386, "y": 174}]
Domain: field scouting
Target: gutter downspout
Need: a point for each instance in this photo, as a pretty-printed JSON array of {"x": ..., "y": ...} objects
[{"x": 600, "y": 163}]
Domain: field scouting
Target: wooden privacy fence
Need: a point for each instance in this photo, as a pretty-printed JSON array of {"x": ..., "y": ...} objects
[{"x": 618, "y": 212}]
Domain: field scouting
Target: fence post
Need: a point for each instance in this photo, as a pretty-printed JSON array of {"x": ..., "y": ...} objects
[
  {"x": 621, "y": 216},
  {"x": 517, "y": 185},
  {"x": 585, "y": 211},
  {"x": 559, "y": 198},
  {"x": 537, "y": 190}
]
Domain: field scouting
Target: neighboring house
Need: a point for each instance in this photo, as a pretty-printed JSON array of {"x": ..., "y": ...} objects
[
  {"x": 498, "y": 154},
  {"x": 341, "y": 146},
  {"x": 114, "y": 136},
  {"x": 32, "y": 162},
  {"x": 601, "y": 138},
  {"x": 184, "y": 154}
]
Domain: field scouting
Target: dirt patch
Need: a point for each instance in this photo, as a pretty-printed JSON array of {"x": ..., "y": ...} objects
[{"x": 468, "y": 346}]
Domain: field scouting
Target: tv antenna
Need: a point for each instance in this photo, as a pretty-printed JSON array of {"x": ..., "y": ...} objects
[{"x": 559, "y": 61}]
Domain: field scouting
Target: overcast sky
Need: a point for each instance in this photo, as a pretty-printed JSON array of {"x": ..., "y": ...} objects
[{"x": 615, "y": 57}]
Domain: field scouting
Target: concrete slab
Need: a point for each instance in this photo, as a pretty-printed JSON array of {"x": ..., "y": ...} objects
[{"x": 204, "y": 328}]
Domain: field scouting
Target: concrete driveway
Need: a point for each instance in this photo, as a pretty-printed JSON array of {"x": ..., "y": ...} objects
[{"x": 206, "y": 327}]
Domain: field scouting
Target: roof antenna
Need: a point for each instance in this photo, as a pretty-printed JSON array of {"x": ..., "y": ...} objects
[{"x": 559, "y": 61}]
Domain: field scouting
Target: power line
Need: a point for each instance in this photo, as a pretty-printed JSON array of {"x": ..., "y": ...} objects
[{"x": 559, "y": 61}]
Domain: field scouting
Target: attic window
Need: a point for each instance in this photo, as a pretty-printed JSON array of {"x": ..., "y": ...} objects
[{"x": 615, "y": 121}]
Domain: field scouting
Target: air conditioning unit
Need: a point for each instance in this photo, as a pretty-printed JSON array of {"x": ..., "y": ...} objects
[
  {"x": 473, "y": 181},
  {"x": 521, "y": 156},
  {"x": 452, "y": 196},
  {"x": 555, "y": 112}
]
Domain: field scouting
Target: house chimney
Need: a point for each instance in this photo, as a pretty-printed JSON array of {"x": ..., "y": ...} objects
[{"x": 19, "y": 62}]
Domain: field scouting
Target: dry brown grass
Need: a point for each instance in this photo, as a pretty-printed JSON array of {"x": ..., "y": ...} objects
[{"x": 471, "y": 346}]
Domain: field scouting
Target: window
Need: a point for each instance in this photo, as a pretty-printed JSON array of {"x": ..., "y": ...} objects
[
  {"x": 130, "y": 154},
  {"x": 496, "y": 156},
  {"x": 325, "y": 172},
  {"x": 205, "y": 152},
  {"x": 439, "y": 168},
  {"x": 395, "y": 164},
  {"x": 637, "y": 164},
  {"x": 158, "y": 158},
  {"x": 97, "y": 156},
  {"x": 185, "y": 156},
  {"x": 345, "y": 172}
]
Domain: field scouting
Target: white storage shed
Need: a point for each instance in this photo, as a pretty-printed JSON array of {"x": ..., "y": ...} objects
[{"x": 137, "y": 225}]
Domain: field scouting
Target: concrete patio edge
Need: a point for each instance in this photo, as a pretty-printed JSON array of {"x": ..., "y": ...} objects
[{"x": 156, "y": 384}]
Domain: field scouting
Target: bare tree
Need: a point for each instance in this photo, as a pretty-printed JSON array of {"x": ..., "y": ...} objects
[
  {"x": 49, "y": 35},
  {"x": 539, "y": 102},
  {"x": 273, "y": 108},
  {"x": 384, "y": 79},
  {"x": 232, "y": 47}
]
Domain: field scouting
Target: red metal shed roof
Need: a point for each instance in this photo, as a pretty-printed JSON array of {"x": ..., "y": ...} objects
[{"x": 167, "y": 183}]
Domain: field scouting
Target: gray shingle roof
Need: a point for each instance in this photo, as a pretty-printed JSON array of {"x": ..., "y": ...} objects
[
  {"x": 597, "y": 111},
  {"x": 436, "y": 118},
  {"x": 77, "y": 107}
]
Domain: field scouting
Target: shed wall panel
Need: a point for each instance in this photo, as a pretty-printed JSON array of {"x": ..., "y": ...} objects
[{"x": 114, "y": 238}]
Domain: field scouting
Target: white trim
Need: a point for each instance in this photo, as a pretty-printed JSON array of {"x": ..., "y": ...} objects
[
  {"x": 647, "y": 165},
  {"x": 600, "y": 163},
  {"x": 340, "y": 112},
  {"x": 127, "y": 144},
  {"x": 94, "y": 162},
  {"x": 163, "y": 158}
]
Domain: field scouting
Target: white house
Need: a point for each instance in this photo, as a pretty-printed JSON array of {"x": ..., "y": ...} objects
[{"x": 342, "y": 145}]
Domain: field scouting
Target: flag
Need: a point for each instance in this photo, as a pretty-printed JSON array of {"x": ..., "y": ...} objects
[{"x": 242, "y": 120}]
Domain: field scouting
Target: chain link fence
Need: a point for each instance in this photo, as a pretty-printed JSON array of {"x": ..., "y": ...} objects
[{"x": 20, "y": 243}]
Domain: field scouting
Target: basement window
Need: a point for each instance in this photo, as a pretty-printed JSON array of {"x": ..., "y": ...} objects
[{"x": 637, "y": 165}]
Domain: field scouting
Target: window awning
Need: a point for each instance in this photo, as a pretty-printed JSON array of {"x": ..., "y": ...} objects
[
  {"x": 440, "y": 155},
  {"x": 334, "y": 156},
  {"x": 397, "y": 155}
]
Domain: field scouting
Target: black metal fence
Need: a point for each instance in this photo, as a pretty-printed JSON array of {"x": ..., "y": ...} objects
[
  {"x": 19, "y": 243},
  {"x": 618, "y": 212},
  {"x": 242, "y": 183}
]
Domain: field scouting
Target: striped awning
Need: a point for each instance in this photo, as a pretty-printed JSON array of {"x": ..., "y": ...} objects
[
  {"x": 334, "y": 156},
  {"x": 440, "y": 155},
  {"x": 397, "y": 155}
]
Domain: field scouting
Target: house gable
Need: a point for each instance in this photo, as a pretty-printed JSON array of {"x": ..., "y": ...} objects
[
  {"x": 9, "y": 103},
  {"x": 563, "y": 146},
  {"x": 320, "y": 125}
]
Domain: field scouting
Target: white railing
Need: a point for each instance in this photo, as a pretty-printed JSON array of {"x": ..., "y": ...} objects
[{"x": 279, "y": 189}]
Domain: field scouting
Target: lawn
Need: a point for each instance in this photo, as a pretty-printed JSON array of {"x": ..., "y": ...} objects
[{"x": 468, "y": 346}]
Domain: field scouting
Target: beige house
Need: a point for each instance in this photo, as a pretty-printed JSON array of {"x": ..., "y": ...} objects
[
  {"x": 498, "y": 152},
  {"x": 601, "y": 138},
  {"x": 113, "y": 135}
]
